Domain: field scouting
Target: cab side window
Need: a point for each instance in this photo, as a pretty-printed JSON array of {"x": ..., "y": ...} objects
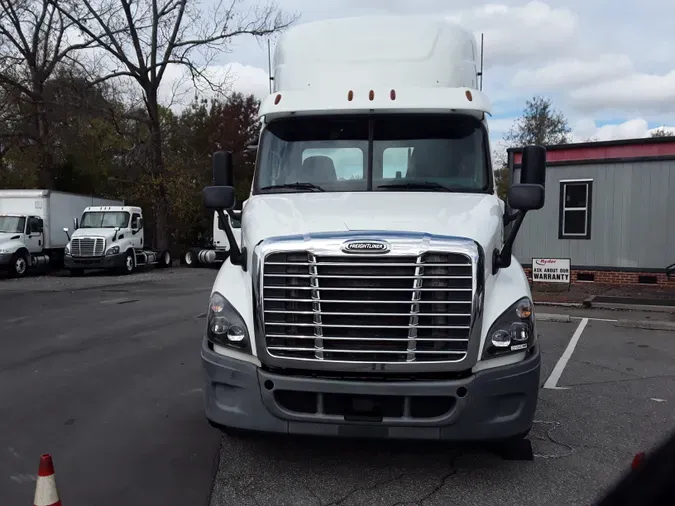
[{"x": 35, "y": 226}]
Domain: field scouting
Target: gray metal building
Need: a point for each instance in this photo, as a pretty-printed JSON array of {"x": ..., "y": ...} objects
[{"x": 610, "y": 209}]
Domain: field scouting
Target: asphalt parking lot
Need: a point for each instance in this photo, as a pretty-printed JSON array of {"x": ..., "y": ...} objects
[{"x": 103, "y": 373}]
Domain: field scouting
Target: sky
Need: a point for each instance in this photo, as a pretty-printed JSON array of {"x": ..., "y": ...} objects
[{"x": 609, "y": 67}]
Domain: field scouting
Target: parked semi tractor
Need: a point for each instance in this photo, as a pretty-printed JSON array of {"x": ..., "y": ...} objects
[
  {"x": 216, "y": 251},
  {"x": 32, "y": 223},
  {"x": 111, "y": 237},
  {"x": 373, "y": 292}
]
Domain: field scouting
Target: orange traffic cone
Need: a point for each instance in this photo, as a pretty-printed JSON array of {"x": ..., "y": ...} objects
[
  {"x": 638, "y": 460},
  {"x": 45, "y": 488}
]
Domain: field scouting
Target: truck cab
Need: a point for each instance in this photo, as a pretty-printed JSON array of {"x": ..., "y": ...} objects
[
  {"x": 110, "y": 237},
  {"x": 373, "y": 292},
  {"x": 21, "y": 243}
]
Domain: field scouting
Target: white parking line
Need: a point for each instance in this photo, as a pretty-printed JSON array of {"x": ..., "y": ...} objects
[
  {"x": 562, "y": 362},
  {"x": 594, "y": 319}
]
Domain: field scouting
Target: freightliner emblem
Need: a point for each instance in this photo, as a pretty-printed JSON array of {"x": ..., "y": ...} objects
[{"x": 357, "y": 246}]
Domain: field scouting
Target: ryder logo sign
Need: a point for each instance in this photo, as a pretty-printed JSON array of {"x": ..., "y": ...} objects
[{"x": 551, "y": 270}]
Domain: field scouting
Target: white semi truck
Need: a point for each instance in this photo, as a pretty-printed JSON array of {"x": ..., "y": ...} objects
[
  {"x": 32, "y": 226},
  {"x": 373, "y": 292},
  {"x": 111, "y": 237}
]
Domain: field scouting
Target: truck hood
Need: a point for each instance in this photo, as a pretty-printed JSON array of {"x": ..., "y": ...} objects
[
  {"x": 9, "y": 236},
  {"x": 474, "y": 216},
  {"x": 108, "y": 233}
]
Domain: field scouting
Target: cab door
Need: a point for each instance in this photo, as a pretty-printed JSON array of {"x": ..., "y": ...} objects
[
  {"x": 34, "y": 237},
  {"x": 136, "y": 231}
]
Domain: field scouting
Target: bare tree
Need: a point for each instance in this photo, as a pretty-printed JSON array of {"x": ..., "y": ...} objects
[
  {"x": 142, "y": 39},
  {"x": 35, "y": 40}
]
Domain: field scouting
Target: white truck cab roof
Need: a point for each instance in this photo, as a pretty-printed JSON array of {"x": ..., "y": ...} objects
[
  {"x": 128, "y": 209},
  {"x": 365, "y": 64}
]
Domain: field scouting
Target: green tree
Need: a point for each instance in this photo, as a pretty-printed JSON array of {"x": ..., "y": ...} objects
[{"x": 540, "y": 124}]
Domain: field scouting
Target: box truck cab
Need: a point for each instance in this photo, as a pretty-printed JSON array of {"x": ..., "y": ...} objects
[
  {"x": 374, "y": 292},
  {"x": 111, "y": 237},
  {"x": 32, "y": 224}
]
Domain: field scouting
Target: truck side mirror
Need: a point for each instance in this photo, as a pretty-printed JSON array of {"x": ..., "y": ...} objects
[
  {"x": 526, "y": 197},
  {"x": 76, "y": 224},
  {"x": 533, "y": 166},
  {"x": 217, "y": 198},
  {"x": 221, "y": 197},
  {"x": 67, "y": 231},
  {"x": 139, "y": 223},
  {"x": 223, "y": 173}
]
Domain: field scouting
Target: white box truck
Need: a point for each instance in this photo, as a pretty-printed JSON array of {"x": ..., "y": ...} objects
[
  {"x": 32, "y": 226},
  {"x": 373, "y": 292}
]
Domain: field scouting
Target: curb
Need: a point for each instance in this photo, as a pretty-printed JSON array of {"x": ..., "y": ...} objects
[
  {"x": 552, "y": 317},
  {"x": 633, "y": 307},
  {"x": 644, "y": 324},
  {"x": 559, "y": 304}
]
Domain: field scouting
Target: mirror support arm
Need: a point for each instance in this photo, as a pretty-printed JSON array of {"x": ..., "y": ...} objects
[
  {"x": 237, "y": 256},
  {"x": 235, "y": 215},
  {"x": 501, "y": 260}
]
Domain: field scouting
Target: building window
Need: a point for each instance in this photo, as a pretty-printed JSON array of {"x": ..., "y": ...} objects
[{"x": 574, "y": 221}]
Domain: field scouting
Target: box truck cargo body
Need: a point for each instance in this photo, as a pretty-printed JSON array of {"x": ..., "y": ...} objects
[{"x": 32, "y": 224}]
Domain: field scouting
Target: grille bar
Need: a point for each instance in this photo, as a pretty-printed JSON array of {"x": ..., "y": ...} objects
[
  {"x": 364, "y": 264},
  {"x": 279, "y": 299},
  {"x": 286, "y": 348},
  {"x": 347, "y": 326},
  {"x": 368, "y": 277},
  {"x": 395, "y": 339},
  {"x": 367, "y": 308},
  {"x": 374, "y": 289},
  {"x": 364, "y": 314}
]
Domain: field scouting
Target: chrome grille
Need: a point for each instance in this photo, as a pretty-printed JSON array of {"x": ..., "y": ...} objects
[
  {"x": 367, "y": 308},
  {"x": 87, "y": 246}
]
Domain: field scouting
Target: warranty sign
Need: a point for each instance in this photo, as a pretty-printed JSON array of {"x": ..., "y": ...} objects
[{"x": 551, "y": 270}]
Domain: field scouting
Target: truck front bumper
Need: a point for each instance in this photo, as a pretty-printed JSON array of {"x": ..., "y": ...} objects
[
  {"x": 5, "y": 258},
  {"x": 105, "y": 262},
  {"x": 492, "y": 404}
]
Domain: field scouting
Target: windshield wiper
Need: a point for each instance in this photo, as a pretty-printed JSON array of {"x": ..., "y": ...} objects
[
  {"x": 423, "y": 185},
  {"x": 298, "y": 185}
]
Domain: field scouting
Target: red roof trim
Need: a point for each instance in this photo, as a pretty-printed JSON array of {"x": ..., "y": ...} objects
[{"x": 604, "y": 152}]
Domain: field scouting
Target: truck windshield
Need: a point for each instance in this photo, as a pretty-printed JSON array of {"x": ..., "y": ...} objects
[
  {"x": 409, "y": 153},
  {"x": 12, "y": 224},
  {"x": 105, "y": 219}
]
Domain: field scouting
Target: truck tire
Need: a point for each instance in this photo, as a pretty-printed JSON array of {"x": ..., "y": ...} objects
[
  {"x": 129, "y": 262},
  {"x": 18, "y": 265},
  {"x": 190, "y": 258},
  {"x": 164, "y": 259}
]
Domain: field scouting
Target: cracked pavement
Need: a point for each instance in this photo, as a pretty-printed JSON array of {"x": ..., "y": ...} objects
[{"x": 584, "y": 439}]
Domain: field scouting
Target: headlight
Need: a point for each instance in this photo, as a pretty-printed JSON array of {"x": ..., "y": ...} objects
[
  {"x": 512, "y": 332},
  {"x": 5, "y": 250},
  {"x": 113, "y": 251},
  {"x": 66, "y": 250},
  {"x": 225, "y": 326}
]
